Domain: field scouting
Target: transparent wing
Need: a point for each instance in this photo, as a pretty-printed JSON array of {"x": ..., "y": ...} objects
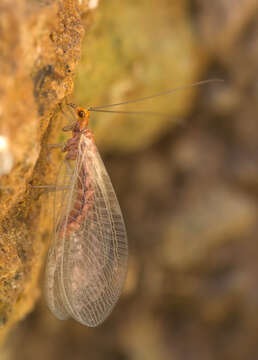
[
  {"x": 65, "y": 180},
  {"x": 88, "y": 262}
]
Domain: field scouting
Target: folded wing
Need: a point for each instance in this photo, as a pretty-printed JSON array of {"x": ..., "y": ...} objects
[{"x": 87, "y": 263}]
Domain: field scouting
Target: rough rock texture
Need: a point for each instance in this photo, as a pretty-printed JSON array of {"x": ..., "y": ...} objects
[
  {"x": 40, "y": 46},
  {"x": 189, "y": 200}
]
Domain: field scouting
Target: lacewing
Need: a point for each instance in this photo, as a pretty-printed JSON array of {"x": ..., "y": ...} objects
[{"x": 87, "y": 262}]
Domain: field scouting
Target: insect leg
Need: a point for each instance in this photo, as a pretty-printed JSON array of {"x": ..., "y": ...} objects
[
  {"x": 54, "y": 146},
  {"x": 51, "y": 187}
]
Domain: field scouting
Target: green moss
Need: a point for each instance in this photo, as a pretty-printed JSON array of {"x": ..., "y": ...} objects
[{"x": 135, "y": 49}]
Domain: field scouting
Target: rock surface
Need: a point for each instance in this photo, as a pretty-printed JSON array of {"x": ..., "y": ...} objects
[
  {"x": 189, "y": 193},
  {"x": 40, "y": 48}
]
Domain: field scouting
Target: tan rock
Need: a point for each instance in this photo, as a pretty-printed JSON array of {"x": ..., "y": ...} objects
[
  {"x": 218, "y": 216},
  {"x": 40, "y": 48}
]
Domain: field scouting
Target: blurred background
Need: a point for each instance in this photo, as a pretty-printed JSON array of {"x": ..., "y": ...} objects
[{"x": 187, "y": 184}]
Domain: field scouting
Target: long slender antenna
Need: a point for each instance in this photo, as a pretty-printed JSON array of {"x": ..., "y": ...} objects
[
  {"x": 95, "y": 108},
  {"x": 129, "y": 112}
]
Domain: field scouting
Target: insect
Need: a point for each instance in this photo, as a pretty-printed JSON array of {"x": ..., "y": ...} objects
[{"x": 87, "y": 262}]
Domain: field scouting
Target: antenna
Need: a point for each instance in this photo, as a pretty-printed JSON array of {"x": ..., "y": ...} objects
[
  {"x": 130, "y": 112},
  {"x": 203, "y": 82}
]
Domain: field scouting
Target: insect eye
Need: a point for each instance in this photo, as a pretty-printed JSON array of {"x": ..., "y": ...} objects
[{"x": 81, "y": 113}]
